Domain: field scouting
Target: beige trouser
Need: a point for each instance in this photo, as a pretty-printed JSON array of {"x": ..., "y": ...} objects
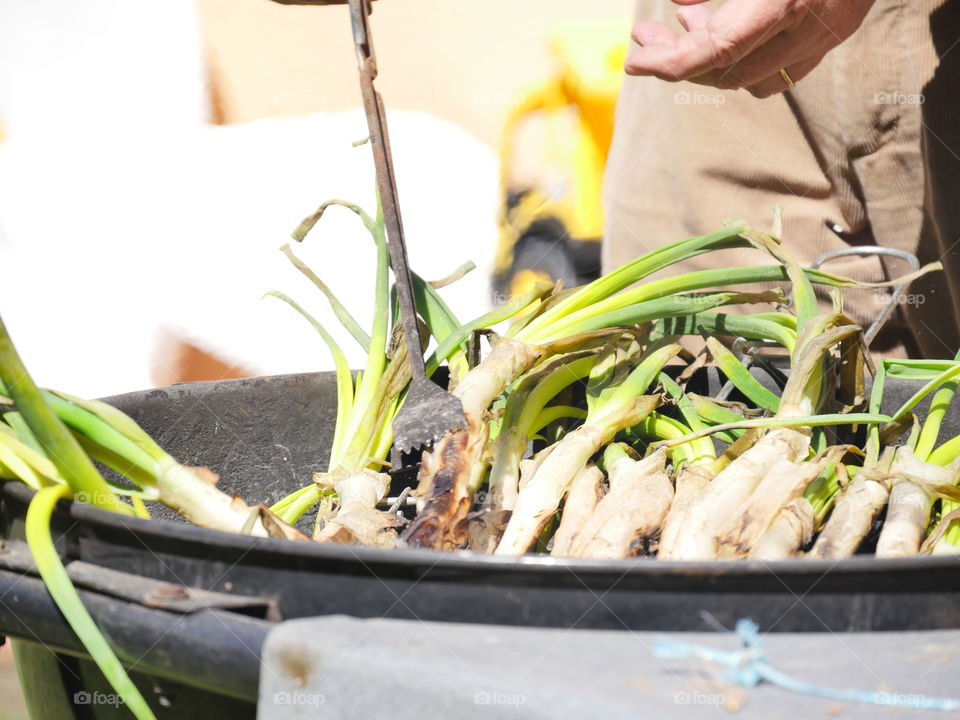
[{"x": 864, "y": 150}]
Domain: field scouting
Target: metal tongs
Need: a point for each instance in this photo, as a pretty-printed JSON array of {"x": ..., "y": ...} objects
[{"x": 429, "y": 411}]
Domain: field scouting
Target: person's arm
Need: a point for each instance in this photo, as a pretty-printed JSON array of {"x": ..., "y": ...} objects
[{"x": 745, "y": 43}]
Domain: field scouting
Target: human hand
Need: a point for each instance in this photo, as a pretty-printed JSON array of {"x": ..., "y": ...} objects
[{"x": 745, "y": 43}]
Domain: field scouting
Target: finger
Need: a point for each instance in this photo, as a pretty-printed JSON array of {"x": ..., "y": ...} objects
[
  {"x": 758, "y": 66},
  {"x": 732, "y": 32},
  {"x": 775, "y": 84},
  {"x": 693, "y": 18},
  {"x": 725, "y": 78},
  {"x": 651, "y": 32},
  {"x": 712, "y": 78},
  {"x": 788, "y": 47},
  {"x": 766, "y": 60}
]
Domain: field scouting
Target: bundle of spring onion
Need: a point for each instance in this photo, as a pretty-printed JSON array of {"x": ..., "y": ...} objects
[{"x": 581, "y": 437}]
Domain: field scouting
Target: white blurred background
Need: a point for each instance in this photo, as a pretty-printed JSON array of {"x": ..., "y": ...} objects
[{"x": 156, "y": 155}]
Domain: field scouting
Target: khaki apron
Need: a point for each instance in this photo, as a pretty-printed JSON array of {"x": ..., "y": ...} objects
[{"x": 864, "y": 150}]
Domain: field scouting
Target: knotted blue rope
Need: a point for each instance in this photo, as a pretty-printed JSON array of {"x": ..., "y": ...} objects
[{"x": 749, "y": 667}]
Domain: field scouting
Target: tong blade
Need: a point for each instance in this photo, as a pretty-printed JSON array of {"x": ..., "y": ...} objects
[{"x": 428, "y": 411}]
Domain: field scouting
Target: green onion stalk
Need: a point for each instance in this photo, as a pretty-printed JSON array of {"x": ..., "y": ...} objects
[
  {"x": 898, "y": 479},
  {"x": 54, "y": 439},
  {"x": 354, "y": 482},
  {"x": 585, "y": 492},
  {"x": 73, "y": 432},
  {"x": 632, "y": 513},
  {"x": 945, "y": 538},
  {"x": 792, "y": 528},
  {"x": 915, "y": 482},
  {"x": 693, "y": 476},
  {"x": 524, "y": 415},
  {"x": 61, "y": 589},
  {"x": 60, "y": 469},
  {"x": 916, "y": 476},
  {"x": 22, "y": 461},
  {"x": 692, "y": 472},
  {"x": 728, "y": 413},
  {"x": 614, "y": 403}
]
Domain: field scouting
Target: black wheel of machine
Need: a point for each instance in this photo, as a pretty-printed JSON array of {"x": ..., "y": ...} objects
[{"x": 540, "y": 257}]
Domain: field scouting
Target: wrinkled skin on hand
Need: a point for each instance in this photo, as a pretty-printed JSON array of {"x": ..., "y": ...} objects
[{"x": 745, "y": 43}]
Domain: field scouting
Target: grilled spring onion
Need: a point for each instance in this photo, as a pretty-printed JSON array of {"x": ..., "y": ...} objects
[
  {"x": 692, "y": 476},
  {"x": 522, "y": 418},
  {"x": 581, "y": 499},
  {"x": 916, "y": 481},
  {"x": 561, "y": 323},
  {"x": 564, "y": 321},
  {"x": 633, "y": 511},
  {"x": 897, "y": 479},
  {"x": 614, "y": 403},
  {"x": 720, "y": 515},
  {"x": 792, "y": 528}
]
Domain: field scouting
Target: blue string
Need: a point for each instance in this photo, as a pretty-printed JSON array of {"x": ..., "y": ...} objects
[{"x": 749, "y": 667}]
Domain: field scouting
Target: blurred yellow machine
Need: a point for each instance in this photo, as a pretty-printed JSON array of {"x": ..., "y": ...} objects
[{"x": 553, "y": 155}]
